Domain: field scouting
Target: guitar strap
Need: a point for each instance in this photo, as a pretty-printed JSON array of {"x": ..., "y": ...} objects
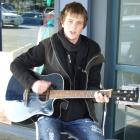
[{"x": 26, "y": 96}]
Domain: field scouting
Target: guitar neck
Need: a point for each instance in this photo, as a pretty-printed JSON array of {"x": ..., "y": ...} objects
[{"x": 63, "y": 94}]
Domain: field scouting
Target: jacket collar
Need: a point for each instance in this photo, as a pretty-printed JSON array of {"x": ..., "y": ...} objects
[{"x": 60, "y": 52}]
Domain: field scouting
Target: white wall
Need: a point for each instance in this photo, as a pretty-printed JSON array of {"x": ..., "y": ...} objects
[
  {"x": 99, "y": 19},
  {"x": 98, "y": 27},
  {"x": 5, "y": 59}
]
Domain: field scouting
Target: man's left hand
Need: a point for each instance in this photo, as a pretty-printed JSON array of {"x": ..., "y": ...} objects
[{"x": 101, "y": 98}]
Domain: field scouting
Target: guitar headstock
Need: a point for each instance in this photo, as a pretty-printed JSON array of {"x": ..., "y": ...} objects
[{"x": 126, "y": 95}]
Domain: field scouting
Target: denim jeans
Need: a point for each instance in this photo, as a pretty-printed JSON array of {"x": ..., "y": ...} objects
[{"x": 49, "y": 128}]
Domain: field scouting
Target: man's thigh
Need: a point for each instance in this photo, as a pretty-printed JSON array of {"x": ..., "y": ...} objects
[
  {"x": 48, "y": 128},
  {"x": 84, "y": 129}
]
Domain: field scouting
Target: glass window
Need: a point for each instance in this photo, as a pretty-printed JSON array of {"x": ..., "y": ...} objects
[
  {"x": 129, "y": 42},
  {"x": 127, "y": 78},
  {"x": 128, "y": 54},
  {"x": 132, "y": 123},
  {"x": 21, "y": 21},
  {"x": 119, "y": 123}
]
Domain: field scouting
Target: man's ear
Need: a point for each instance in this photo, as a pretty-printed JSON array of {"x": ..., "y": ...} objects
[{"x": 62, "y": 25}]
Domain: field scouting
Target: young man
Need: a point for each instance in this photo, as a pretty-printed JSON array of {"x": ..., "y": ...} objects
[{"x": 74, "y": 57}]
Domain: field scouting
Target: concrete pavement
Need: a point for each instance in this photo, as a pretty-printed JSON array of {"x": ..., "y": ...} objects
[{"x": 16, "y": 132}]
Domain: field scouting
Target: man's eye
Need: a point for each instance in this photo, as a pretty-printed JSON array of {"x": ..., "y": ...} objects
[
  {"x": 70, "y": 21},
  {"x": 79, "y": 23}
]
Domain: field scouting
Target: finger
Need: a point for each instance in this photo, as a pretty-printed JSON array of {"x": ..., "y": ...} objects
[
  {"x": 98, "y": 97},
  {"x": 101, "y": 97},
  {"x": 47, "y": 85},
  {"x": 106, "y": 99},
  {"x": 96, "y": 94}
]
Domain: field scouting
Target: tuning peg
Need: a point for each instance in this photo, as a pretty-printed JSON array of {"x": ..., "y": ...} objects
[
  {"x": 132, "y": 91},
  {"x": 118, "y": 98},
  {"x": 124, "y": 98}
]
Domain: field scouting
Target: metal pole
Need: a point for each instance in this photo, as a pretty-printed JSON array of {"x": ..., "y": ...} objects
[{"x": 0, "y": 29}]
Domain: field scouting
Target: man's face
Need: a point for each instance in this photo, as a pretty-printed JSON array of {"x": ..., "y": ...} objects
[{"x": 73, "y": 25}]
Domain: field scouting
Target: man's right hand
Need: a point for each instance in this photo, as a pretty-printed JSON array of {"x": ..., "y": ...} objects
[{"x": 40, "y": 86}]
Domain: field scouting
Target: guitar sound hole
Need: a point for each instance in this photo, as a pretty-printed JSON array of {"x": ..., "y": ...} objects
[
  {"x": 52, "y": 87},
  {"x": 42, "y": 97}
]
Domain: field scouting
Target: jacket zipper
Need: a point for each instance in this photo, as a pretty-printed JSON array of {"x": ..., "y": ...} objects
[
  {"x": 90, "y": 61},
  {"x": 87, "y": 81},
  {"x": 87, "y": 67},
  {"x": 60, "y": 64}
]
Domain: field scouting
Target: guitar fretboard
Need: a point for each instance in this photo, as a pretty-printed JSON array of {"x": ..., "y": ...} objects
[{"x": 61, "y": 94}]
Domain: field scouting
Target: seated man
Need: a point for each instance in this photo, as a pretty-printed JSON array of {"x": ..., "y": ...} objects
[{"x": 74, "y": 56}]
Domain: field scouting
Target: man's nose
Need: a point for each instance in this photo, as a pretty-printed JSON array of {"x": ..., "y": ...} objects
[{"x": 74, "y": 25}]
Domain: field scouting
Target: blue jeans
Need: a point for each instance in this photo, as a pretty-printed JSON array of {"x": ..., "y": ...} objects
[{"x": 49, "y": 128}]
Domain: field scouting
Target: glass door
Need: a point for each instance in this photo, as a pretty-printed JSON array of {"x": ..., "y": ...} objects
[{"x": 127, "y": 66}]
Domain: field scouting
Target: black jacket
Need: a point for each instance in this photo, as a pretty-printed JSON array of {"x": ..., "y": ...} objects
[{"x": 50, "y": 53}]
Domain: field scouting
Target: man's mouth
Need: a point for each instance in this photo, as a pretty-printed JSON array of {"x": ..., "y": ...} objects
[{"x": 72, "y": 32}]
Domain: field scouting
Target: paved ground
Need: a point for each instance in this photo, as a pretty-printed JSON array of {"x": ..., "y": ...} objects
[
  {"x": 16, "y": 132},
  {"x": 5, "y": 136},
  {"x": 15, "y": 38}
]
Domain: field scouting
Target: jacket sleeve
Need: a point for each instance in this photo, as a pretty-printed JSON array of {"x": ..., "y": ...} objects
[{"x": 22, "y": 66}]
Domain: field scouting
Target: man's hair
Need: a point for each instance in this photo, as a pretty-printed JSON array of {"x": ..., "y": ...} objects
[{"x": 74, "y": 8}]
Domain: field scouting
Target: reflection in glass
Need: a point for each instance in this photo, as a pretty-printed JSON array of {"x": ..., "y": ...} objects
[
  {"x": 127, "y": 78},
  {"x": 132, "y": 123},
  {"x": 25, "y": 35},
  {"x": 129, "y": 42}
]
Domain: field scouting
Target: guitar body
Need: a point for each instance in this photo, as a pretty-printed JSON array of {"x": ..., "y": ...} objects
[{"x": 15, "y": 108}]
